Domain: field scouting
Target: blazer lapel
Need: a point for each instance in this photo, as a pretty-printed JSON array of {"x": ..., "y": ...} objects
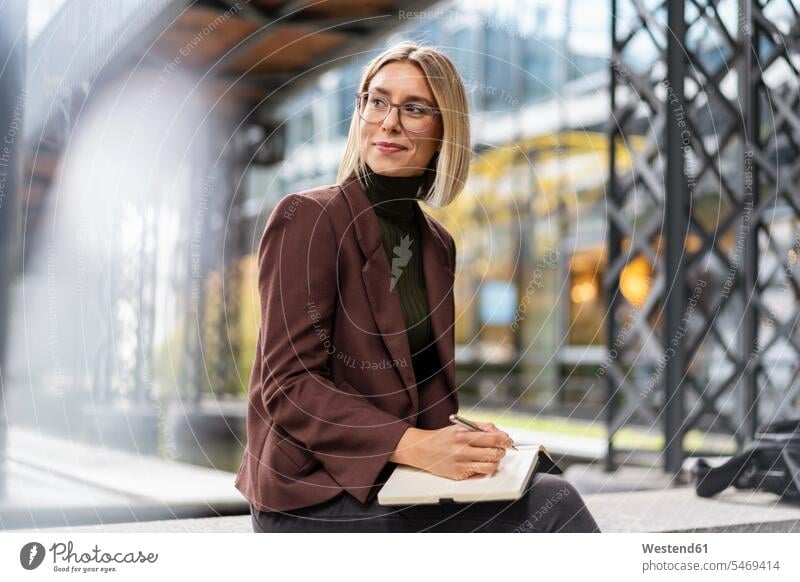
[{"x": 385, "y": 303}]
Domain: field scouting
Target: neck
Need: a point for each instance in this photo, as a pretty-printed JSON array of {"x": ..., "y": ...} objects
[{"x": 393, "y": 197}]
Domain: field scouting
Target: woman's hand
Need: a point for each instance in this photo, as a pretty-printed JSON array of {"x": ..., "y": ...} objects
[{"x": 453, "y": 452}]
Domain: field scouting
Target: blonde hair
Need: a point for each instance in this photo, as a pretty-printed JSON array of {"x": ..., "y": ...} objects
[{"x": 451, "y": 165}]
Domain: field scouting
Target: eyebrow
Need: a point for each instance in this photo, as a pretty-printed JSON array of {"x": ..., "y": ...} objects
[{"x": 410, "y": 97}]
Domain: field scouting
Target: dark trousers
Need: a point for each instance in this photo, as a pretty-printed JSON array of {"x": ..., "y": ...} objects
[{"x": 550, "y": 504}]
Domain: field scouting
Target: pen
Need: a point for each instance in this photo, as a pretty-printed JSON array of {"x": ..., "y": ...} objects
[{"x": 455, "y": 419}]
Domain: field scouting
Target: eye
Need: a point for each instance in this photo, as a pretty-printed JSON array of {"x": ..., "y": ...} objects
[
  {"x": 378, "y": 103},
  {"x": 415, "y": 109}
]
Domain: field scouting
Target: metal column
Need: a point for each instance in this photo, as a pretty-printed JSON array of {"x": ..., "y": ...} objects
[
  {"x": 677, "y": 229},
  {"x": 13, "y": 44}
]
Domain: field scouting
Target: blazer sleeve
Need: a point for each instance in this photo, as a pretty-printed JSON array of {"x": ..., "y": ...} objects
[{"x": 297, "y": 280}]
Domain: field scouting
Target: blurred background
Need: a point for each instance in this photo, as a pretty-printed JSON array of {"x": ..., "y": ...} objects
[{"x": 627, "y": 240}]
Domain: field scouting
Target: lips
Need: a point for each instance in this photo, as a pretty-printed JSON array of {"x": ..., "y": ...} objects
[{"x": 389, "y": 147}]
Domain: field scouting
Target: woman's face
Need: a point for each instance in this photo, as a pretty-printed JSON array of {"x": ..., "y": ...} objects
[{"x": 387, "y": 147}]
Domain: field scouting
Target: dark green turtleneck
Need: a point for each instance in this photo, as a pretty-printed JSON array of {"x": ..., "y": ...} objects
[{"x": 394, "y": 200}]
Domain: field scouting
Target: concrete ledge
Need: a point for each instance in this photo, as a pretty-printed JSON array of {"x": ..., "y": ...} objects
[
  {"x": 232, "y": 524},
  {"x": 676, "y": 510},
  {"x": 55, "y": 482},
  {"x": 121, "y": 472},
  {"x": 681, "y": 510}
]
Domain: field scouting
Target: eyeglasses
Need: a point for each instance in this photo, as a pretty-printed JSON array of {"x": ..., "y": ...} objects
[{"x": 414, "y": 117}]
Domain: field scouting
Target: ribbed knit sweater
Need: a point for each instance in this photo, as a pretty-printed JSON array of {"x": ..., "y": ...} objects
[{"x": 394, "y": 200}]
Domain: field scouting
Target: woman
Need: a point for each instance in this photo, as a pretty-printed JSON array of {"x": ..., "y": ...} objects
[{"x": 355, "y": 370}]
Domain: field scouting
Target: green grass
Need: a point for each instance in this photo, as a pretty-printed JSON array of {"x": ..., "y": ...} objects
[{"x": 626, "y": 438}]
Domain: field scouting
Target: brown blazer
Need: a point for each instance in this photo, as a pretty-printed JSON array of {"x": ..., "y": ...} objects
[{"x": 332, "y": 388}]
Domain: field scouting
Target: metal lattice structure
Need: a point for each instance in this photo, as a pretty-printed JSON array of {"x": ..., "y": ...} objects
[{"x": 705, "y": 103}]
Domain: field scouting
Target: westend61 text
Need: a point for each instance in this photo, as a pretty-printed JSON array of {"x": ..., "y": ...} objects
[{"x": 673, "y": 549}]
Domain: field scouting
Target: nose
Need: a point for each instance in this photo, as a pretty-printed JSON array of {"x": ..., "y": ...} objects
[{"x": 392, "y": 121}]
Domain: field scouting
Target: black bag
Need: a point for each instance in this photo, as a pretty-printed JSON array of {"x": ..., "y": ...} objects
[{"x": 770, "y": 463}]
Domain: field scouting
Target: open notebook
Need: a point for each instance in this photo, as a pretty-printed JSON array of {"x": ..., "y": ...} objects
[{"x": 409, "y": 485}]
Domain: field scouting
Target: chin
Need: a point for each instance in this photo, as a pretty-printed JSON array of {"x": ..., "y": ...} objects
[{"x": 389, "y": 169}]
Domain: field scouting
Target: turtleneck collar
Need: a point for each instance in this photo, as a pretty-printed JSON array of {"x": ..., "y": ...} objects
[{"x": 392, "y": 197}]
